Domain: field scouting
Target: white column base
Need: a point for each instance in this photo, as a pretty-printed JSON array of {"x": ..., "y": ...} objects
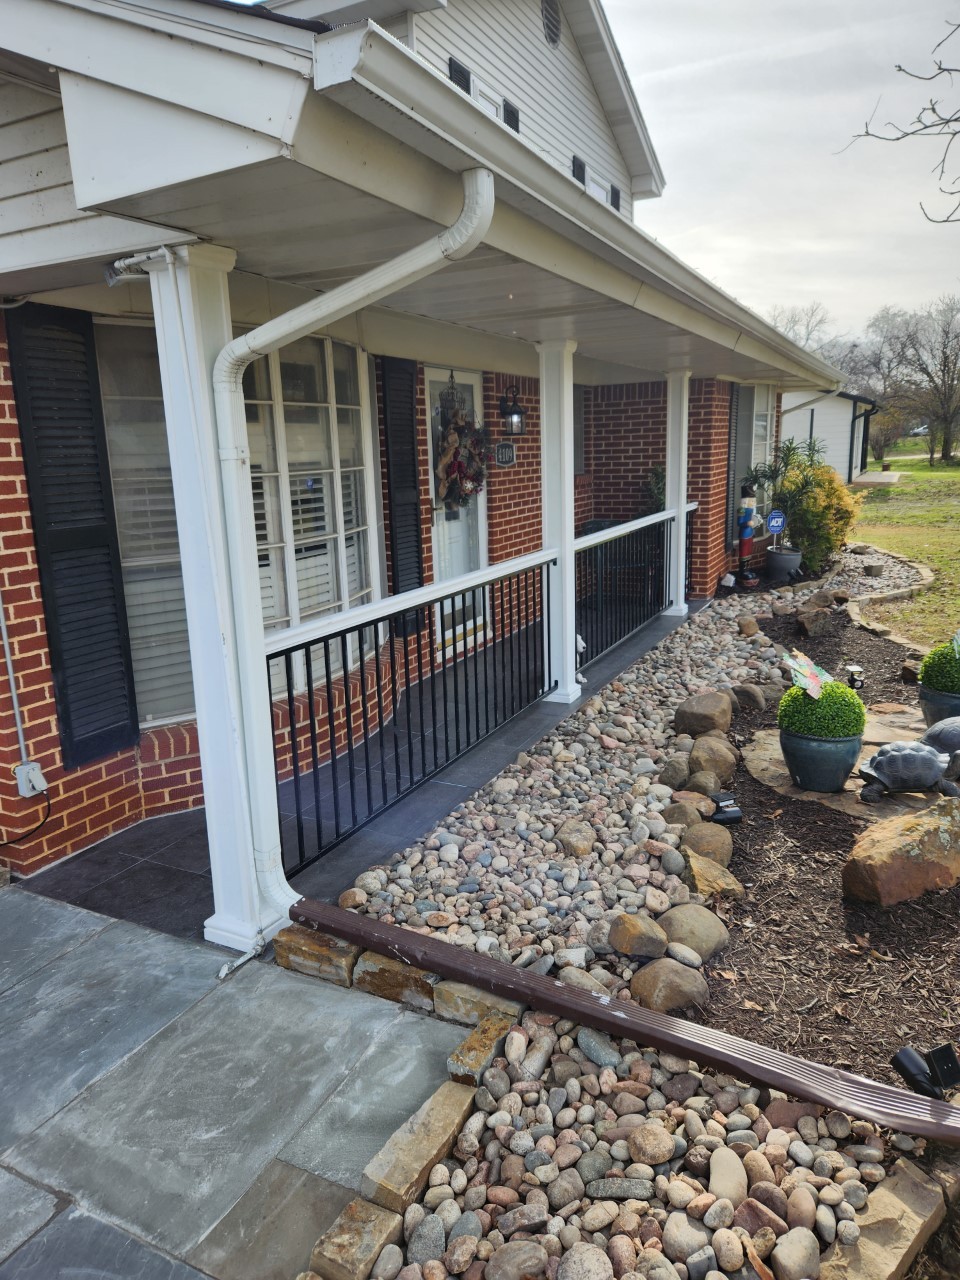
[
  {"x": 565, "y": 696},
  {"x": 241, "y": 935},
  {"x": 677, "y": 611}
]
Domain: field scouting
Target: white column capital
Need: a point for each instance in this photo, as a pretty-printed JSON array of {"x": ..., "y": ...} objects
[
  {"x": 557, "y": 346},
  {"x": 204, "y": 257}
]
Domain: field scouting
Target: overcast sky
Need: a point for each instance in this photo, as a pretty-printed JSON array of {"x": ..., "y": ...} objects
[{"x": 751, "y": 104}]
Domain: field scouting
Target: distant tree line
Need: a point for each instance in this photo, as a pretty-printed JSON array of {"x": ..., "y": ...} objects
[{"x": 908, "y": 361}]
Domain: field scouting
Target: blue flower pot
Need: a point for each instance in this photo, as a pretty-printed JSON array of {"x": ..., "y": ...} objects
[
  {"x": 937, "y": 705},
  {"x": 819, "y": 764}
]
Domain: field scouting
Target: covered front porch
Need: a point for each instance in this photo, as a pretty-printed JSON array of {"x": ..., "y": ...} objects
[{"x": 417, "y": 239}]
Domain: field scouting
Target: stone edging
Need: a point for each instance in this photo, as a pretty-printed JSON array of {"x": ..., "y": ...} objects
[
  {"x": 855, "y": 612},
  {"x": 913, "y": 1198}
]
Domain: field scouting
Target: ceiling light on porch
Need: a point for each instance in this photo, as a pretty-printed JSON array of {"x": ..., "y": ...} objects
[
  {"x": 513, "y": 414},
  {"x": 452, "y": 400}
]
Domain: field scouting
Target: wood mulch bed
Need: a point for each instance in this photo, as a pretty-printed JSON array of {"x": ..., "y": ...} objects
[{"x": 840, "y": 982}]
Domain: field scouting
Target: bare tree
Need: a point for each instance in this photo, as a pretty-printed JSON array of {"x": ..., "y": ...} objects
[
  {"x": 909, "y": 361},
  {"x": 809, "y": 326},
  {"x": 938, "y": 118}
]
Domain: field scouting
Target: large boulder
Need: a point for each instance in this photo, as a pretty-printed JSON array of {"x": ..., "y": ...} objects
[
  {"x": 576, "y": 838},
  {"x": 637, "y": 936},
  {"x": 703, "y": 712},
  {"x": 696, "y": 927},
  {"x": 713, "y": 755},
  {"x": 710, "y": 841},
  {"x": 676, "y": 772},
  {"x": 664, "y": 985},
  {"x": 705, "y": 876},
  {"x": 904, "y": 857}
]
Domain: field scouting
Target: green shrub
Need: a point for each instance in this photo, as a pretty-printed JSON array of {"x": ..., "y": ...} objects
[
  {"x": 837, "y": 713},
  {"x": 940, "y": 669},
  {"x": 822, "y": 517}
]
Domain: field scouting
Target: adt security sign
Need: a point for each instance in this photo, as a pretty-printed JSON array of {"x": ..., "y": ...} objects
[{"x": 776, "y": 521}]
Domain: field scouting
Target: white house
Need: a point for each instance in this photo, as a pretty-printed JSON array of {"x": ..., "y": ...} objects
[{"x": 840, "y": 419}]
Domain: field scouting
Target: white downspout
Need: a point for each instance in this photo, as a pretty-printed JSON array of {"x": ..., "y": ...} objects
[{"x": 450, "y": 245}]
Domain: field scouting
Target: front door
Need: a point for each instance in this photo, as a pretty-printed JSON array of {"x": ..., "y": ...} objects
[{"x": 459, "y": 528}]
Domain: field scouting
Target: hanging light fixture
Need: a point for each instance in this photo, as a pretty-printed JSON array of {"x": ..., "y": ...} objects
[
  {"x": 513, "y": 414},
  {"x": 452, "y": 400}
]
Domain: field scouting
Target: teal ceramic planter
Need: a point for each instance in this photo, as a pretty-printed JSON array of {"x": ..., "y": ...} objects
[
  {"x": 937, "y": 705},
  {"x": 819, "y": 764}
]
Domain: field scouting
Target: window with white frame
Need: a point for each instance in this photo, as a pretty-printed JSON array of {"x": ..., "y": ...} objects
[
  {"x": 752, "y": 437},
  {"x": 307, "y": 422},
  {"x": 309, "y": 472}
]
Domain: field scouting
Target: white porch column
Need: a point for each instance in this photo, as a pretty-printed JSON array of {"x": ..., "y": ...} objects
[
  {"x": 192, "y": 312},
  {"x": 678, "y": 414},
  {"x": 556, "y": 465}
]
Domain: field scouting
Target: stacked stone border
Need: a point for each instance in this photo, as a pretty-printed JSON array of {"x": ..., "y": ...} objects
[{"x": 901, "y": 1215}]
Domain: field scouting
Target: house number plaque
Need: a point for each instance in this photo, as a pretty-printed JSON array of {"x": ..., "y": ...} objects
[{"x": 506, "y": 453}]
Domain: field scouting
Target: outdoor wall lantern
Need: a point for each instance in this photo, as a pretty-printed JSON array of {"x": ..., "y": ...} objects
[{"x": 513, "y": 414}]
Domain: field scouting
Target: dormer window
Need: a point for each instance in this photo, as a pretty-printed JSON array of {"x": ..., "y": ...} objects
[{"x": 552, "y": 22}]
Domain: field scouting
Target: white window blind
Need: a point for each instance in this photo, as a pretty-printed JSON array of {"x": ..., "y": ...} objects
[{"x": 146, "y": 520}]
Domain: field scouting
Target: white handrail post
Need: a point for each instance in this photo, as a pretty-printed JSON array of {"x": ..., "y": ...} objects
[
  {"x": 557, "y": 463},
  {"x": 678, "y": 417}
]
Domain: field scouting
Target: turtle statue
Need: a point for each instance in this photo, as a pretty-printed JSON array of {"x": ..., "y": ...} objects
[
  {"x": 909, "y": 766},
  {"x": 944, "y": 735}
]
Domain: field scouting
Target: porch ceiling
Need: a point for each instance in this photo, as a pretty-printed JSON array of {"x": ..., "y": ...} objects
[{"x": 292, "y": 224}]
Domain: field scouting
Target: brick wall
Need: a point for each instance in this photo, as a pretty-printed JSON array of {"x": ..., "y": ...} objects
[
  {"x": 627, "y": 434},
  {"x": 707, "y": 480},
  {"x": 161, "y": 775},
  {"x": 514, "y": 515}
]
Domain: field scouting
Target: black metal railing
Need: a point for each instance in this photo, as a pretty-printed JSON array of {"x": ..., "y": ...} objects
[
  {"x": 622, "y": 583},
  {"x": 366, "y": 711},
  {"x": 688, "y": 575}
]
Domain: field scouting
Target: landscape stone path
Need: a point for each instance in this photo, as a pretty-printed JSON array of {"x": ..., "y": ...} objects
[{"x": 156, "y": 1124}]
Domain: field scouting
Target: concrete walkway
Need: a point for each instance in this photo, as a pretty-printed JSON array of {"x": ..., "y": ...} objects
[{"x": 156, "y": 1124}]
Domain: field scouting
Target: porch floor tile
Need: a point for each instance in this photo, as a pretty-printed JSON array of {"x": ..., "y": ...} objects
[
  {"x": 393, "y": 1079},
  {"x": 284, "y": 1204},
  {"x": 77, "y": 1245},
  {"x": 75, "y": 1018},
  {"x": 170, "y": 1140},
  {"x": 35, "y": 931},
  {"x": 25, "y": 1210}
]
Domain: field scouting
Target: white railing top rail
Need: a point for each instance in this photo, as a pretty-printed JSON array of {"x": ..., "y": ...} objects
[
  {"x": 619, "y": 530},
  {"x": 331, "y": 624},
  {"x": 692, "y": 506}
]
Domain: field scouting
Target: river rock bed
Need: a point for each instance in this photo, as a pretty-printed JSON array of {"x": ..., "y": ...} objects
[{"x": 589, "y": 1158}]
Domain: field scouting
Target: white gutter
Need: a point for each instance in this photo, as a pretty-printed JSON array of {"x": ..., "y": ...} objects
[{"x": 457, "y": 242}]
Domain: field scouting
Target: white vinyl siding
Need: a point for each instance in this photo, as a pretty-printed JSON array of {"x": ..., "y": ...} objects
[
  {"x": 40, "y": 223},
  {"x": 503, "y": 45}
]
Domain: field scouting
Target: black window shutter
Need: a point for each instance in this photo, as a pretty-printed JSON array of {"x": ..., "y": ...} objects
[
  {"x": 579, "y": 170},
  {"x": 57, "y": 393},
  {"x": 511, "y": 116},
  {"x": 399, "y": 380},
  {"x": 615, "y": 198},
  {"x": 460, "y": 75}
]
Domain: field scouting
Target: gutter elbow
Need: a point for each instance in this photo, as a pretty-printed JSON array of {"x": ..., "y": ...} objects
[{"x": 468, "y": 231}]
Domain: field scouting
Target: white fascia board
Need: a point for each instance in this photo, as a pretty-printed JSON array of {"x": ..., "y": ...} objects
[
  {"x": 340, "y": 12},
  {"x": 591, "y": 30},
  {"x": 245, "y": 76},
  {"x": 368, "y": 72}
]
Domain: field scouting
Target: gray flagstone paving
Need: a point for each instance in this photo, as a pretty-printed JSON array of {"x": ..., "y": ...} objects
[
  {"x": 35, "y": 931},
  {"x": 25, "y": 1209},
  {"x": 78, "y": 1247}
]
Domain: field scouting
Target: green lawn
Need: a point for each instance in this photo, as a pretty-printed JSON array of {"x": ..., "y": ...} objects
[{"x": 920, "y": 518}]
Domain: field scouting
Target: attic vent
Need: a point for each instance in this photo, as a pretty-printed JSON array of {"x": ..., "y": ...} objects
[
  {"x": 511, "y": 116},
  {"x": 460, "y": 75},
  {"x": 551, "y": 21},
  {"x": 615, "y": 198},
  {"x": 579, "y": 170}
]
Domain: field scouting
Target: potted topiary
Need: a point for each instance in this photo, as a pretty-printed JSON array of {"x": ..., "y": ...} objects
[
  {"x": 939, "y": 686},
  {"x": 821, "y": 738}
]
